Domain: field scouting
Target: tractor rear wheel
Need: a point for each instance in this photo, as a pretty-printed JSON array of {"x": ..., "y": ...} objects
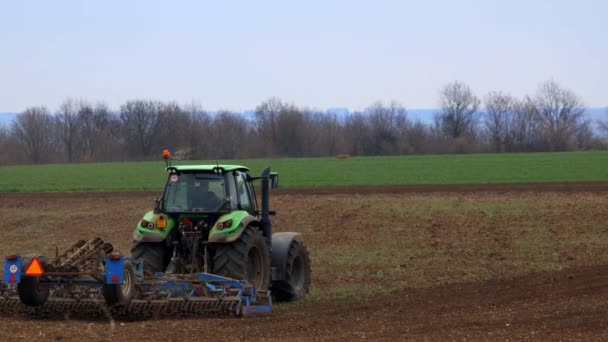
[
  {"x": 244, "y": 259},
  {"x": 297, "y": 274},
  {"x": 30, "y": 290},
  {"x": 153, "y": 255}
]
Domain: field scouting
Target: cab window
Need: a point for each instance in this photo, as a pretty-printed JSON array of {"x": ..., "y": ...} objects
[
  {"x": 187, "y": 192},
  {"x": 232, "y": 194},
  {"x": 242, "y": 189}
]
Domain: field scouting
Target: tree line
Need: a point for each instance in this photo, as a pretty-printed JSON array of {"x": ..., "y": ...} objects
[{"x": 552, "y": 119}]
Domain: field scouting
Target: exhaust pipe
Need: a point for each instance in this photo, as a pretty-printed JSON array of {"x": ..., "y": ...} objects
[{"x": 266, "y": 224}]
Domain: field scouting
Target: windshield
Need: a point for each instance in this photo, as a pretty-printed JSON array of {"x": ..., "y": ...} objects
[{"x": 194, "y": 192}]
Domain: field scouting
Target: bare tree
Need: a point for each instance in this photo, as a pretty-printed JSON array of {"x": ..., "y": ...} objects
[
  {"x": 499, "y": 120},
  {"x": 266, "y": 117},
  {"x": 229, "y": 133},
  {"x": 4, "y": 138},
  {"x": 67, "y": 128},
  {"x": 583, "y": 138},
  {"x": 561, "y": 115},
  {"x": 139, "y": 120},
  {"x": 198, "y": 142},
  {"x": 525, "y": 126},
  {"x": 357, "y": 132},
  {"x": 100, "y": 132},
  {"x": 389, "y": 127},
  {"x": 292, "y": 125},
  {"x": 603, "y": 124},
  {"x": 419, "y": 138},
  {"x": 33, "y": 129},
  {"x": 459, "y": 110},
  {"x": 327, "y": 134},
  {"x": 172, "y": 127},
  {"x": 88, "y": 129}
]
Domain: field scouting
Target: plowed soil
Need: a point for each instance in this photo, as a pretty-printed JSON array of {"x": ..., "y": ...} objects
[{"x": 492, "y": 262}]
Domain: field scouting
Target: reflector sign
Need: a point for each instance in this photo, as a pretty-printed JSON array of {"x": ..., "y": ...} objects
[{"x": 34, "y": 269}]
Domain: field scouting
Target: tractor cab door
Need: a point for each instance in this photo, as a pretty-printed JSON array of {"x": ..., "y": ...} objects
[{"x": 244, "y": 193}]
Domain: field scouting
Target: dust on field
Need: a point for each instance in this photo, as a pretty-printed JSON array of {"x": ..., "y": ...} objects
[{"x": 455, "y": 265}]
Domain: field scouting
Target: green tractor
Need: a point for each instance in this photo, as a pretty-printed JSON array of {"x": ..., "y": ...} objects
[{"x": 208, "y": 220}]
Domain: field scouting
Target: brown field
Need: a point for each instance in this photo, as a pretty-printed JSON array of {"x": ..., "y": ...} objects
[{"x": 525, "y": 262}]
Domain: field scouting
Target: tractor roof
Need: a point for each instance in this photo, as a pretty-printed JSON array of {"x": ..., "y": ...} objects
[{"x": 207, "y": 168}]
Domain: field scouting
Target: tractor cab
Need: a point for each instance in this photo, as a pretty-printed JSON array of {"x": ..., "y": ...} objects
[{"x": 208, "y": 189}]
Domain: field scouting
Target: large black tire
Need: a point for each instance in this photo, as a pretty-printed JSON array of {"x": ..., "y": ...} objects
[
  {"x": 116, "y": 294},
  {"x": 153, "y": 255},
  {"x": 244, "y": 259},
  {"x": 296, "y": 284},
  {"x": 30, "y": 291}
]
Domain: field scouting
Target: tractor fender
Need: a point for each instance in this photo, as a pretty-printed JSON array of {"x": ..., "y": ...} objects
[
  {"x": 280, "y": 250},
  {"x": 148, "y": 229},
  {"x": 240, "y": 220}
]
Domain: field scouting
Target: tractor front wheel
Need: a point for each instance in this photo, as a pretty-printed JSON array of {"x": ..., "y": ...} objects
[{"x": 244, "y": 259}]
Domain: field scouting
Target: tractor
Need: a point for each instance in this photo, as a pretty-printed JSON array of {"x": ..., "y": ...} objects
[{"x": 208, "y": 220}]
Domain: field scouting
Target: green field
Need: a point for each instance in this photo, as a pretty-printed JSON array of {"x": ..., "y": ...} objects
[{"x": 321, "y": 172}]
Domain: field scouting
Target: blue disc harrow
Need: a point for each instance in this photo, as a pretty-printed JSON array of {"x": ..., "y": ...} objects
[{"x": 108, "y": 284}]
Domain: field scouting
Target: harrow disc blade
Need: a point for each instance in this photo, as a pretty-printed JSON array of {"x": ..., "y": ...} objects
[
  {"x": 137, "y": 310},
  {"x": 140, "y": 309}
]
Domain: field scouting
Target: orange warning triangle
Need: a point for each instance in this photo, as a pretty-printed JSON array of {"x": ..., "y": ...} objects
[{"x": 34, "y": 269}]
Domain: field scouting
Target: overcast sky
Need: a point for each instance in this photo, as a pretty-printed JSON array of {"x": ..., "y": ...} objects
[{"x": 316, "y": 54}]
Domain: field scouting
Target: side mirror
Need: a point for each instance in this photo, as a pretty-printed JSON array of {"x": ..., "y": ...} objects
[{"x": 274, "y": 180}]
